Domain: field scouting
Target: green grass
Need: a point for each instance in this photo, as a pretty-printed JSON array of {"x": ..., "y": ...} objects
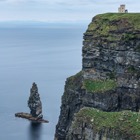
[
  {"x": 75, "y": 81},
  {"x": 132, "y": 70},
  {"x": 132, "y": 18},
  {"x": 126, "y": 122},
  {"x": 112, "y": 16},
  {"x": 99, "y": 85},
  {"x": 104, "y": 23}
]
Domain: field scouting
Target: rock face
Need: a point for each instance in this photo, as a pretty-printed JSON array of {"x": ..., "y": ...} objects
[
  {"x": 34, "y": 102},
  {"x": 109, "y": 80}
]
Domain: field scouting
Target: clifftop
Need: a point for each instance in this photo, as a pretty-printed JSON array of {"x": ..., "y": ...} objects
[
  {"x": 127, "y": 19},
  {"x": 109, "y": 82},
  {"x": 115, "y": 27}
]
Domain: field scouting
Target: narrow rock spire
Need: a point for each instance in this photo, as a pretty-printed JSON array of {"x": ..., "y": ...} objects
[{"x": 34, "y": 102}]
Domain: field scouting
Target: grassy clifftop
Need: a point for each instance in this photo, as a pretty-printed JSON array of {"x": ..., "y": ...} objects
[
  {"x": 114, "y": 27},
  {"x": 126, "y": 25},
  {"x": 126, "y": 19},
  {"x": 132, "y": 18}
]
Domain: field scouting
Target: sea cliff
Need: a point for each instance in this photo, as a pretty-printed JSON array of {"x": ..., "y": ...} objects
[{"x": 102, "y": 101}]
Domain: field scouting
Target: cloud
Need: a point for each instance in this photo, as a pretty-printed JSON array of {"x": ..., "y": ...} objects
[
  {"x": 54, "y": 2},
  {"x": 60, "y": 10},
  {"x": 70, "y": 2}
]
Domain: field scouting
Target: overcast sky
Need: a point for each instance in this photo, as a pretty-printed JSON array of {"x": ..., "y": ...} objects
[{"x": 60, "y": 10}]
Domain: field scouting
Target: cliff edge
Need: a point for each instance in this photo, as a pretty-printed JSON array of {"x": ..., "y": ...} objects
[{"x": 102, "y": 101}]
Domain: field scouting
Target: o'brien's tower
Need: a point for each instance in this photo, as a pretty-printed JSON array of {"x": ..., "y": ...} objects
[{"x": 122, "y": 9}]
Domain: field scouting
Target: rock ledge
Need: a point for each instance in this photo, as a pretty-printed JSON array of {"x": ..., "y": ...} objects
[{"x": 30, "y": 117}]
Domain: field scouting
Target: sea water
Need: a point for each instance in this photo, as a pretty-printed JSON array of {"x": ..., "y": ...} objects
[{"x": 46, "y": 56}]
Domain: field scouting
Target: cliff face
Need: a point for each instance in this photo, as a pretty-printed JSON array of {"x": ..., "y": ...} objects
[{"x": 109, "y": 81}]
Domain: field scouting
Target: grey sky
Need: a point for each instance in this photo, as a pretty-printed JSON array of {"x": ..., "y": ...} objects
[{"x": 60, "y": 10}]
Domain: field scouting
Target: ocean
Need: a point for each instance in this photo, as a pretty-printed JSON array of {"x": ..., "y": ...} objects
[{"x": 46, "y": 56}]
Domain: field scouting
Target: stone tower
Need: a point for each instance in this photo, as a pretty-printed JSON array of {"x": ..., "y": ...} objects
[{"x": 122, "y": 9}]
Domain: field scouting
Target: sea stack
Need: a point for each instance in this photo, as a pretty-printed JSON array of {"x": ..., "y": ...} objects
[
  {"x": 34, "y": 102},
  {"x": 35, "y": 105}
]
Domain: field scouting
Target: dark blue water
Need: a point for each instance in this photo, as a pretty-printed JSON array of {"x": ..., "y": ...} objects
[{"x": 42, "y": 55}]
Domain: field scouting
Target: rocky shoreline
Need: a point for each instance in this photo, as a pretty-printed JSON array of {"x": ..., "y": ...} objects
[{"x": 30, "y": 117}]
